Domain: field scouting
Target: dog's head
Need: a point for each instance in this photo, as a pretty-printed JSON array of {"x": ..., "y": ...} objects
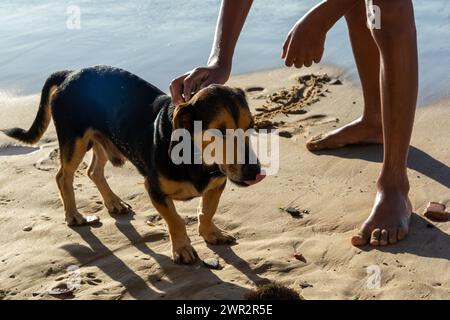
[{"x": 223, "y": 139}]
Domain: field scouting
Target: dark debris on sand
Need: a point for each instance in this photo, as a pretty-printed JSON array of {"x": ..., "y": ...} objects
[{"x": 273, "y": 291}]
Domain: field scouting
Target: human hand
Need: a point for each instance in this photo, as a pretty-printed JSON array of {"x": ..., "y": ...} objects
[
  {"x": 304, "y": 44},
  {"x": 182, "y": 87}
]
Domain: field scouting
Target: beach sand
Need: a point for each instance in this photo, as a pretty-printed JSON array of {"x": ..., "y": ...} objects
[{"x": 124, "y": 258}]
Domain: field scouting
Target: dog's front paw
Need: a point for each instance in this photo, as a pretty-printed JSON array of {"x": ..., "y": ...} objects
[
  {"x": 74, "y": 218},
  {"x": 183, "y": 252},
  {"x": 214, "y": 235},
  {"x": 117, "y": 207}
]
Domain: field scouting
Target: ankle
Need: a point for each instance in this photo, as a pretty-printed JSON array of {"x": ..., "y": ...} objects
[
  {"x": 372, "y": 121},
  {"x": 393, "y": 181}
]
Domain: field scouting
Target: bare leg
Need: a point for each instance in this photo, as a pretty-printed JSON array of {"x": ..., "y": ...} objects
[
  {"x": 396, "y": 40},
  {"x": 206, "y": 210},
  {"x": 182, "y": 251},
  {"x": 96, "y": 172},
  {"x": 367, "y": 128},
  {"x": 64, "y": 179}
]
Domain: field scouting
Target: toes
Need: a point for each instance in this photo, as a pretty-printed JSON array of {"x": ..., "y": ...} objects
[
  {"x": 217, "y": 236},
  {"x": 361, "y": 239},
  {"x": 384, "y": 237},
  {"x": 185, "y": 255},
  {"x": 224, "y": 240},
  {"x": 375, "y": 238},
  {"x": 392, "y": 236},
  {"x": 119, "y": 208},
  {"x": 75, "y": 220},
  {"x": 315, "y": 143}
]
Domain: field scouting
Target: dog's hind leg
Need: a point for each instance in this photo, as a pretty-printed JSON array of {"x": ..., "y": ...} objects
[
  {"x": 71, "y": 157},
  {"x": 206, "y": 210},
  {"x": 96, "y": 172}
]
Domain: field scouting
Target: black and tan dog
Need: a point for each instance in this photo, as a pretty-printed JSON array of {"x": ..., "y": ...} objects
[{"x": 120, "y": 116}]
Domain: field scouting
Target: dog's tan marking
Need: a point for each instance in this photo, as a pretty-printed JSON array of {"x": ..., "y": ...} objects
[
  {"x": 185, "y": 190},
  {"x": 64, "y": 179},
  {"x": 245, "y": 118},
  {"x": 96, "y": 173},
  {"x": 206, "y": 210},
  {"x": 178, "y": 190},
  {"x": 182, "y": 251}
]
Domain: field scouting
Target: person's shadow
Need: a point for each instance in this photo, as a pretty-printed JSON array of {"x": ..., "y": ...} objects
[
  {"x": 170, "y": 277},
  {"x": 425, "y": 239}
]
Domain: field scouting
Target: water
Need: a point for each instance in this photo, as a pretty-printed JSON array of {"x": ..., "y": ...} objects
[{"x": 160, "y": 39}]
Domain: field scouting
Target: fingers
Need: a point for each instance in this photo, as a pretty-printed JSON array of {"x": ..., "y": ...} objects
[
  {"x": 182, "y": 87},
  {"x": 188, "y": 86},
  {"x": 206, "y": 83},
  {"x": 286, "y": 46},
  {"x": 176, "y": 89}
]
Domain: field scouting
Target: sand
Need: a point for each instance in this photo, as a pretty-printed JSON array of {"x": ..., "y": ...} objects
[{"x": 124, "y": 258}]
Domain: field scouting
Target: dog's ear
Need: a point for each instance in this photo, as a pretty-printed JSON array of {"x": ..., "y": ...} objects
[
  {"x": 182, "y": 117},
  {"x": 241, "y": 96},
  {"x": 240, "y": 92}
]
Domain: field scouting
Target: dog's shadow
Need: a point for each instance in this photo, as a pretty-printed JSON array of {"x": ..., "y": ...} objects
[
  {"x": 425, "y": 239},
  {"x": 169, "y": 275}
]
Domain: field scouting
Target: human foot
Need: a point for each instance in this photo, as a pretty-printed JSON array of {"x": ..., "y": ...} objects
[
  {"x": 389, "y": 220},
  {"x": 356, "y": 132}
]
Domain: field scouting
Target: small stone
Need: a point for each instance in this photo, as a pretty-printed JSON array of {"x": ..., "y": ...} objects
[
  {"x": 285, "y": 134},
  {"x": 294, "y": 212},
  {"x": 27, "y": 228},
  {"x": 336, "y": 82},
  {"x": 92, "y": 219},
  {"x": 300, "y": 257},
  {"x": 212, "y": 263},
  {"x": 436, "y": 211},
  {"x": 305, "y": 284},
  {"x": 62, "y": 290}
]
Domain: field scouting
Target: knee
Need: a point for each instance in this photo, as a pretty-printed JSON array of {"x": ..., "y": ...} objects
[{"x": 59, "y": 176}]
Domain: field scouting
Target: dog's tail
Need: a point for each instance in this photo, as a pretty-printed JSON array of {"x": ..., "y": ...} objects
[{"x": 43, "y": 117}]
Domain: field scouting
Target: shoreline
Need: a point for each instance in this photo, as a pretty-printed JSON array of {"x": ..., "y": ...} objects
[{"x": 345, "y": 74}]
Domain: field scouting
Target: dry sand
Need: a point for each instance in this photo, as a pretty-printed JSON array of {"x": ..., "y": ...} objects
[{"x": 126, "y": 259}]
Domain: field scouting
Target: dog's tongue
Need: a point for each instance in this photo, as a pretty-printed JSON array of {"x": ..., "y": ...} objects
[{"x": 258, "y": 178}]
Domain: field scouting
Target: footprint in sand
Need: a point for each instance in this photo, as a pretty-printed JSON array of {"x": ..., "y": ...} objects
[
  {"x": 49, "y": 162},
  {"x": 4, "y": 201},
  {"x": 91, "y": 279}
]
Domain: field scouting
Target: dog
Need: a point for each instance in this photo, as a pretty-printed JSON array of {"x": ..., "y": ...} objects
[{"x": 123, "y": 117}]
